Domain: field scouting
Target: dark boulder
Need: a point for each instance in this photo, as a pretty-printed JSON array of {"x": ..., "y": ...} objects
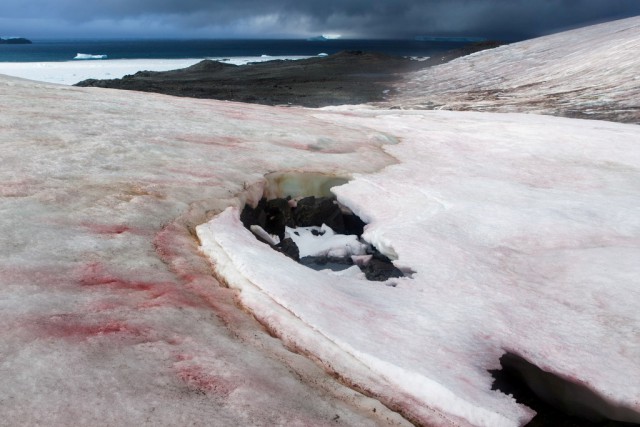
[
  {"x": 254, "y": 216},
  {"x": 380, "y": 268},
  {"x": 315, "y": 211},
  {"x": 278, "y": 215},
  {"x": 289, "y": 248},
  {"x": 353, "y": 224}
]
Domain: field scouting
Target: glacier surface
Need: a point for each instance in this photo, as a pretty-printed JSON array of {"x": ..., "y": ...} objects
[{"x": 523, "y": 232}]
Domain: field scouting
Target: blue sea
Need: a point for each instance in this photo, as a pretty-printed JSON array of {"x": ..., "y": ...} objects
[{"x": 66, "y": 50}]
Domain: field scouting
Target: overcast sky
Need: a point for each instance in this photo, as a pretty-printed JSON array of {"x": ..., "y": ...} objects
[{"x": 302, "y": 18}]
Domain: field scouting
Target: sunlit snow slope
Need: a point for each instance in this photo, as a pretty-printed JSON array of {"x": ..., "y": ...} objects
[{"x": 591, "y": 72}]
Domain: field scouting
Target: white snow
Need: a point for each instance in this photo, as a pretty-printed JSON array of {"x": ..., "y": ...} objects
[
  {"x": 352, "y": 271},
  {"x": 72, "y": 72},
  {"x": 523, "y": 232},
  {"x": 262, "y": 233},
  {"x": 590, "y": 72},
  {"x": 325, "y": 242}
]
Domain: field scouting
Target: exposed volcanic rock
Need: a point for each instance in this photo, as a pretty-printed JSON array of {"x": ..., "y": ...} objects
[
  {"x": 272, "y": 215},
  {"x": 322, "y": 262},
  {"x": 289, "y": 248},
  {"x": 255, "y": 216},
  {"x": 349, "y": 77},
  {"x": 315, "y": 211},
  {"x": 276, "y": 214},
  {"x": 380, "y": 268}
]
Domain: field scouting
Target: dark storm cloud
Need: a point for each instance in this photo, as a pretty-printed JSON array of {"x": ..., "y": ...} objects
[{"x": 363, "y": 18}]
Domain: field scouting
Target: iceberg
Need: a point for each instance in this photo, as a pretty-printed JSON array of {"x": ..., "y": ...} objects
[{"x": 89, "y": 56}]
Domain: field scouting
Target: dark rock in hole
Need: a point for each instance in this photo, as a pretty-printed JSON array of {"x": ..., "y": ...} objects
[
  {"x": 254, "y": 216},
  {"x": 315, "y": 211},
  {"x": 323, "y": 263},
  {"x": 272, "y": 216},
  {"x": 550, "y": 412},
  {"x": 353, "y": 224},
  {"x": 276, "y": 214},
  {"x": 380, "y": 268},
  {"x": 289, "y": 248}
]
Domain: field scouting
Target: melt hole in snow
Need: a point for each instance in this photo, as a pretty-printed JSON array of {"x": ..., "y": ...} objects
[
  {"x": 309, "y": 226},
  {"x": 557, "y": 401}
]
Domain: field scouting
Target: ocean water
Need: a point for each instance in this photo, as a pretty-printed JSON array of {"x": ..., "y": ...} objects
[{"x": 66, "y": 50}]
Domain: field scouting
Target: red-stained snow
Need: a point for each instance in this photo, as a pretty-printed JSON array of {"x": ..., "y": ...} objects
[
  {"x": 77, "y": 327},
  {"x": 102, "y": 286}
]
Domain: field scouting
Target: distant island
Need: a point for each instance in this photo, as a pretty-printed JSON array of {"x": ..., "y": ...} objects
[{"x": 15, "y": 40}]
